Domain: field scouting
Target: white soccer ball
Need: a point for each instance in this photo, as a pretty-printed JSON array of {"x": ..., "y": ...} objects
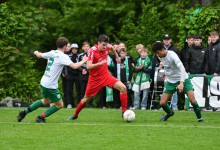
[{"x": 129, "y": 116}]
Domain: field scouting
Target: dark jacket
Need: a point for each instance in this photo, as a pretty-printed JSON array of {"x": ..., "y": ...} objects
[
  {"x": 123, "y": 71},
  {"x": 197, "y": 60},
  {"x": 72, "y": 72},
  {"x": 84, "y": 66},
  {"x": 183, "y": 53},
  {"x": 172, "y": 48},
  {"x": 214, "y": 57}
]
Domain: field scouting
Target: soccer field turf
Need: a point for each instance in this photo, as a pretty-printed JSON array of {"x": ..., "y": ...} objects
[{"x": 105, "y": 129}]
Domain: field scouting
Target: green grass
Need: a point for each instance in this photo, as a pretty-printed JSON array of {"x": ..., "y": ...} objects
[{"x": 104, "y": 129}]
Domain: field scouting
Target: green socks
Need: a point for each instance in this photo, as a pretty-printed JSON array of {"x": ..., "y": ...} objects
[
  {"x": 167, "y": 109},
  {"x": 49, "y": 111},
  {"x": 197, "y": 110},
  {"x": 34, "y": 106}
]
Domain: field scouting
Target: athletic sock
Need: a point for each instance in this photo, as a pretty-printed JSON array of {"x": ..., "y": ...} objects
[
  {"x": 49, "y": 111},
  {"x": 34, "y": 106},
  {"x": 197, "y": 110},
  {"x": 79, "y": 108},
  {"x": 123, "y": 98},
  {"x": 167, "y": 109}
]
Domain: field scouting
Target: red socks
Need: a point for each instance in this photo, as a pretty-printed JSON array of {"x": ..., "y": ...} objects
[
  {"x": 123, "y": 98},
  {"x": 79, "y": 108}
]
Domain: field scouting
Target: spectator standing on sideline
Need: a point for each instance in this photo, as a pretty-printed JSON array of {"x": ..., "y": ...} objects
[
  {"x": 209, "y": 40},
  {"x": 84, "y": 73},
  {"x": 63, "y": 76},
  {"x": 49, "y": 82},
  {"x": 122, "y": 45},
  {"x": 106, "y": 93},
  {"x": 185, "y": 48},
  {"x": 197, "y": 57},
  {"x": 72, "y": 77},
  {"x": 143, "y": 69},
  {"x": 214, "y": 54},
  {"x": 99, "y": 75},
  {"x": 177, "y": 79},
  {"x": 116, "y": 46},
  {"x": 123, "y": 72},
  {"x": 169, "y": 46}
]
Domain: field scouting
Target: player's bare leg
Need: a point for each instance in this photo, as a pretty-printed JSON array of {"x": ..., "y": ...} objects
[
  {"x": 123, "y": 94},
  {"x": 81, "y": 105},
  {"x": 163, "y": 103},
  {"x": 190, "y": 95}
]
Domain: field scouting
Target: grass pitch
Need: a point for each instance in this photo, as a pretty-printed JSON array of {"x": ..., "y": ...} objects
[{"x": 104, "y": 129}]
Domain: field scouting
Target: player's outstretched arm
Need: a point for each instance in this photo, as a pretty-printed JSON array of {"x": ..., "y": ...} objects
[
  {"x": 90, "y": 65},
  {"x": 79, "y": 64},
  {"x": 38, "y": 54}
]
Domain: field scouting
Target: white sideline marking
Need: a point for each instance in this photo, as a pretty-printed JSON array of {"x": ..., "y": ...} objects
[{"x": 141, "y": 125}]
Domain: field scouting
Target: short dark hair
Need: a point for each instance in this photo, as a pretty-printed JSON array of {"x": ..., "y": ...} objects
[
  {"x": 122, "y": 50},
  {"x": 61, "y": 42},
  {"x": 103, "y": 38},
  {"x": 115, "y": 43},
  {"x": 157, "y": 46},
  {"x": 190, "y": 36},
  {"x": 197, "y": 36}
]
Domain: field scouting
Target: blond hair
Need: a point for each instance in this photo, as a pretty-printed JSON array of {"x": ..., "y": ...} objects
[
  {"x": 139, "y": 46},
  {"x": 144, "y": 50}
]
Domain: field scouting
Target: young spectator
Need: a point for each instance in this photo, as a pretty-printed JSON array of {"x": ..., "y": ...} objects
[
  {"x": 209, "y": 40},
  {"x": 84, "y": 73},
  {"x": 169, "y": 46},
  {"x": 138, "y": 48},
  {"x": 197, "y": 57},
  {"x": 185, "y": 48},
  {"x": 123, "y": 72},
  {"x": 72, "y": 77},
  {"x": 116, "y": 46},
  {"x": 106, "y": 93},
  {"x": 143, "y": 69},
  {"x": 122, "y": 45},
  {"x": 214, "y": 54}
]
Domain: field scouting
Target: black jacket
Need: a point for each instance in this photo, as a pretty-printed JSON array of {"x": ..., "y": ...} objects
[
  {"x": 197, "y": 60},
  {"x": 183, "y": 53},
  {"x": 84, "y": 66},
  {"x": 214, "y": 57},
  {"x": 172, "y": 48},
  {"x": 72, "y": 72},
  {"x": 123, "y": 71}
]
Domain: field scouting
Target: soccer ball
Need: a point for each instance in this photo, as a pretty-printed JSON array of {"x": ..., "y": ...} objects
[{"x": 129, "y": 115}]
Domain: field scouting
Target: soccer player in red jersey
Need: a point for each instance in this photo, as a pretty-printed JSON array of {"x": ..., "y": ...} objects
[{"x": 99, "y": 75}]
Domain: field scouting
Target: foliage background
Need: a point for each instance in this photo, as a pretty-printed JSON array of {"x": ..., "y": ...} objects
[{"x": 29, "y": 25}]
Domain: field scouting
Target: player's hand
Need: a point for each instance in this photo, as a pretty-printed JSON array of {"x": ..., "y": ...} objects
[
  {"x": 63, "y": 75},
  {"x": 133, "y": 65},
  {"x": 204, "y": 74},
  {"x": 85, "y": 58},
  {"x": 140, "y": 67},
  {"x": 35, "y": 52},
  {"x": 163, "y": 76},
  {"x": 160, "y": 66},
  {"x": 84, "y": 71},
  {"x": 180, "y": 87},
  {"x": 188, "y": 72},
  {"x": 102, "y": 62},
  {"x": 117, "y": 60},
  {"x": 128, "y": 82},
  {"x": 215, "y": 74}
]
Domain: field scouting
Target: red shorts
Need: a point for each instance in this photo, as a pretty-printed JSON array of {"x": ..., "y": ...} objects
[{"x": 96, "y": 83}]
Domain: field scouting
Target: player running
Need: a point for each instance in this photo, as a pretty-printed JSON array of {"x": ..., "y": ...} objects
[
  {"x": 177, "y": 79},
  {"x": 49, "y": 82},
  {"x": 99, "y": 75}
]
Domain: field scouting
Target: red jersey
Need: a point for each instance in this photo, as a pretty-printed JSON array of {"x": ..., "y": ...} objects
[{"x": 95, "y": 55}]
